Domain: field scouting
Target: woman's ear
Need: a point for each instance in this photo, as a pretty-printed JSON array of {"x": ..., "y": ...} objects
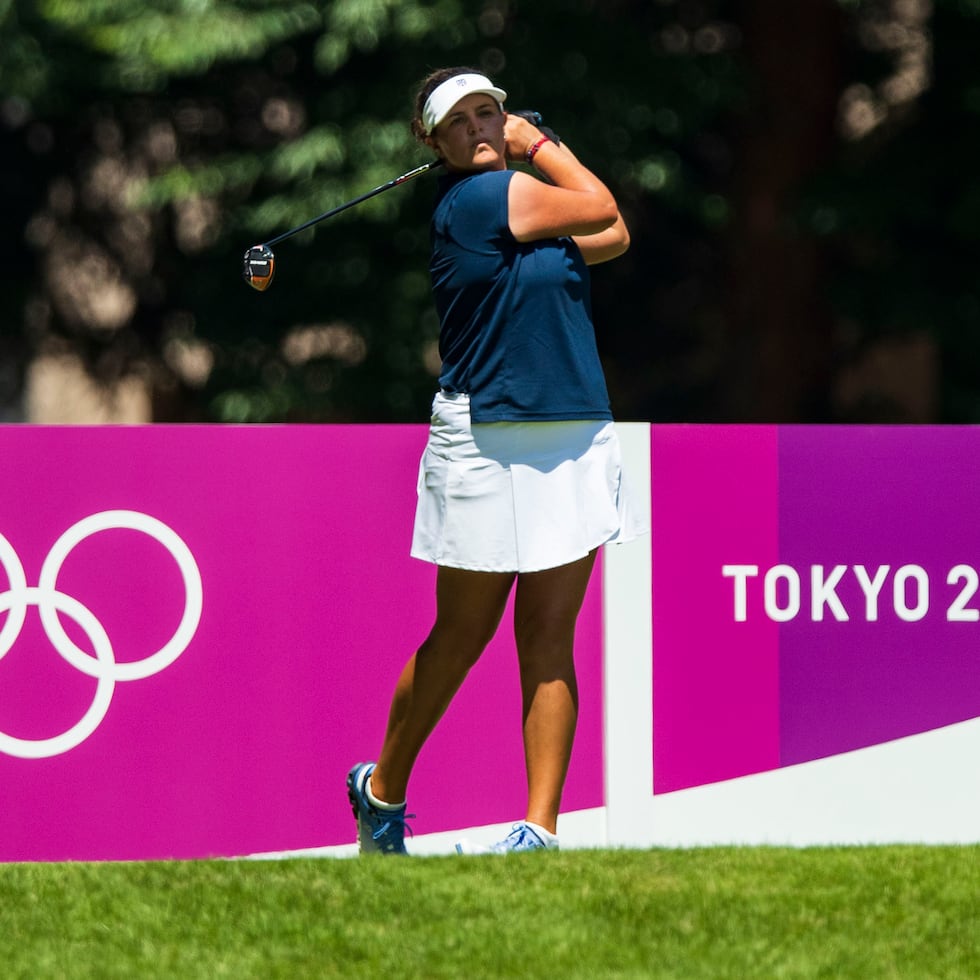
[{"x": 433, "y": 144}]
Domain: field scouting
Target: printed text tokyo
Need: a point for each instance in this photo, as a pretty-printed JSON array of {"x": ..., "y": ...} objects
[{"x": 827, "y": 592}]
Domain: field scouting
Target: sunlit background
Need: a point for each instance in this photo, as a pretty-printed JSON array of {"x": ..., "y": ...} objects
[{"x": 798, "y": 177}]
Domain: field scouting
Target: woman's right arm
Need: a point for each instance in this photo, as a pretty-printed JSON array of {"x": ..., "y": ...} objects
[{"x": 573, "y": 201}]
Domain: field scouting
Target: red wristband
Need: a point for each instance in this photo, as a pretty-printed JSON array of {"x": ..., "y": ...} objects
[{"x": 532, "y": 150}]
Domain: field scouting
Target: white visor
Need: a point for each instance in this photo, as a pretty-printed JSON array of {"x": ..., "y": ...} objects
[{"x": 443, "y": 97}]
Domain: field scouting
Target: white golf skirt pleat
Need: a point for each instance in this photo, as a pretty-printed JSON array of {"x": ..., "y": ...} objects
[{"x": 518, "y": 496}]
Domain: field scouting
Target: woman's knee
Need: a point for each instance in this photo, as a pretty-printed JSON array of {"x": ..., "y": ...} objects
[
  {"x": 469, "y": 608},
  {"x": 548, "y": 621},
  {"x": 456, "y": 643},
  {"x": 545, "y": 628},
  {"x": 545, "y": 633}
]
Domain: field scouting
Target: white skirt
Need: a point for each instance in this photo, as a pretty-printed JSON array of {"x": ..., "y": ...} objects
[{"x": 518, "y": 496}]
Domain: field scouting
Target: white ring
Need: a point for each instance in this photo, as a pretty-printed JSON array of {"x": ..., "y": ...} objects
[
  {"x": 193, "y": 594},
  {"x": 43, "y": 748},
  {"x": 17, "y": 606}
]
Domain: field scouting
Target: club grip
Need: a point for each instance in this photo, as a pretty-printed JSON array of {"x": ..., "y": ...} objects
[{"x": 535, "y": 117}]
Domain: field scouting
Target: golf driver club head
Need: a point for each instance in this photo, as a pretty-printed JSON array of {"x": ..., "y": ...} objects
[{"x": 259, "y": 268}]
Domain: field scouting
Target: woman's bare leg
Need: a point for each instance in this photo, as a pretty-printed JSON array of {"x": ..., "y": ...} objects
[
  {"x": 468, "y": 610},
  {"x": 546, "y": 608}
]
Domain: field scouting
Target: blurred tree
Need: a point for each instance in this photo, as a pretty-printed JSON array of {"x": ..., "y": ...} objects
[
  {"x": 763, "y": 153},
  {"x": 152, "y": 144},
  {"x": 891, "y": 215},
  {"x": 778, "y": 340}
]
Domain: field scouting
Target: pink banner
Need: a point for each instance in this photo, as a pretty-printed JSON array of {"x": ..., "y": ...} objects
[
  {"x": 716, "y": 682},
  {"x": 816, "y": 590},
  {"x": 199, "y": 635}
]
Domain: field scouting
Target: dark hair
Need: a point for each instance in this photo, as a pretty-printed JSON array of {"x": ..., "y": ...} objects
[{"x": 428, "y": 85}]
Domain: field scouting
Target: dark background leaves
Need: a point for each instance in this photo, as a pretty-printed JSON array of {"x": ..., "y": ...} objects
[{"x": 799, "y": 179}]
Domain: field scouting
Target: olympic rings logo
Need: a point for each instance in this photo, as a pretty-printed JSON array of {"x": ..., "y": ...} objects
[{"x": 50, "y": 602}]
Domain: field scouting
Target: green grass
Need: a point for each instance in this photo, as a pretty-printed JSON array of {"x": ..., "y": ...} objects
[{"x": 897, "y": 911}]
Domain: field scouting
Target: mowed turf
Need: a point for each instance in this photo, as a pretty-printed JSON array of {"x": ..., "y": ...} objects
[{"x": 863, "y": 912}]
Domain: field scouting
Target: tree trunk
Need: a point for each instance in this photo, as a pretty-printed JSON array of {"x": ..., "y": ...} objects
[{"x": 779, "y": 322}]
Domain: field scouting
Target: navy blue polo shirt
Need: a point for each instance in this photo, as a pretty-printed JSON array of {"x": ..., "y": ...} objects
[{"x": 516, "y": 330}]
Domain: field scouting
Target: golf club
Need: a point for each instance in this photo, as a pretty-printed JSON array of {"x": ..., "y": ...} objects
[{"x": 260, "y": 261}]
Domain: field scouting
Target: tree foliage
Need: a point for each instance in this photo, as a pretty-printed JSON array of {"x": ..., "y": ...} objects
[{"x": 776, "y": 253}]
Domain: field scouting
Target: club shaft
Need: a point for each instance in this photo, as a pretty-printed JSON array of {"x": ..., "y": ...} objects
[{"x": 357, "y": 200}]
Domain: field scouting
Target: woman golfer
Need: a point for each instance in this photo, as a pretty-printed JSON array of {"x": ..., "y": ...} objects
[{"x": 521, "y": 479}]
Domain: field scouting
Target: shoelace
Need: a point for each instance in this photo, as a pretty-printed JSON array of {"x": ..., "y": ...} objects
[
  {"x": 521, "y": 838},
  {"x": 391, "y": 821}
]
